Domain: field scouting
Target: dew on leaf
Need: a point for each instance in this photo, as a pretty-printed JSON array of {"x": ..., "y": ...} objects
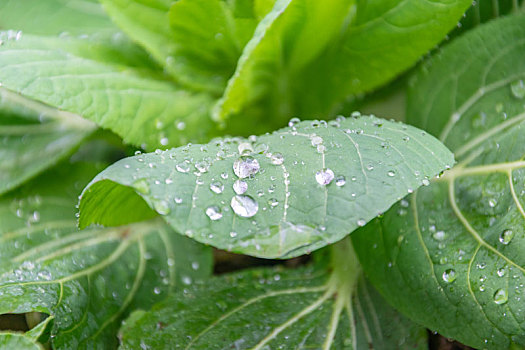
[
  {"x": 224, "y": 176},
  {"x": 493, "y": 202},
  {"x": 214, "y": 212},
  {"x": 182, "y": 167},
  {"x": 293, "y": 122},
  {"x": 141, "y": 185},
  {"x": 162, "y": 207},
  {"x": 439, "y": 235},
  {"x": 273, "y": 202},
  {"x": 277, "y": 159},
  {"x": 340, "y": 180},
  {"x": 245, "y": 148},
  {"x": 501, "y": 272},
  {"x": 217, "y": 187},
  {"x": 518, "y": 89},
  {"x": 506, "y": 236},
  {"x": 361, "y": 222},
  {"x": 316, "y": 140},
  {"x": 391, "y": 173},
  {"x": 501, "y": 296},
  {"x": 244, "y": 206},
  {"x": 449, "y": 275},
  {"x": 240, "y": 186},
  {"x": 233, "y": 234},
  {"x": 324, "y": 176},
  {"x": 245, "y": 167}
]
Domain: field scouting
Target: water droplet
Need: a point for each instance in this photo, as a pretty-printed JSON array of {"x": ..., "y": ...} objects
[
  {"x": 272, "y": 202},
  {"x": 182, "y": 167},
  {"x": 224, "y": 176},
  {"x": 425, "y": 182},
  {"x": 245, "y": 167},
  {"x": 449, "y": 275},
  {"x": 217, "y": 187},
  {"x": 324, "y": 176},
  {"x": 518, "y": 89},
  {"x": 406, "y": 138},
  {"x": 277, "y": 159},
  {"x": 501, "y": 272},
  {"x": 340, "y": 180},
  {"x": 186, "y": 280},
  {"x": 178, "y": 200},
  {"x": 501, "y": 296},
  {"x": 233, "y": 234},
  {"x": 361, "y": 222},
  {"x": 162, "y": 207},
  {"x": 180, "y": 125},
  {"x": 317, "y": 140},
  {"x": 293, "y": 122},
  {"x": 506, "y": 236},
  {"x": 245, "y": 148},
  {"x": 492, "y": 202},
  {"x": 244, "y": 206},
  {"x": 156, "y": 290},
  {"x": 391, "y": 173},
  {"x": 164, "y": 141},
  {"x": 195, "y": 265},
  {"x": 439, "y": 235},
  {"x": 370, "y": 167},
  {"x": 240, "y": 186},
  {"x": 404, "y": 203},
  {"x": 141, "y": 185},
  {"x": 214, "y": 212}
]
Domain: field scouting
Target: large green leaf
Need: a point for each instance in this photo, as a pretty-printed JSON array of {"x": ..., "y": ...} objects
[
  {"x": 305, "y": 186},
  {"x": 86, "y": 280},
  {"x": 452, "y": 256},
  {"x": 34, "y": 137},
  {"x": 108, "y": 83},
  {"x": 52, "y": 17},
  {"x": 307, "y": 308},
  {"x": 199, "y": 50},
  {"x": 306, "y": 57}
]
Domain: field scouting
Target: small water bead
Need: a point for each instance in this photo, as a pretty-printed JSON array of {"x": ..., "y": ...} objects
[
  {"x": 224, "y": 176},
  {"x": 293, "y": 122},
  {"x": 162, "y": 207},
  {"x": 273, "y": 202},
  {"x": 370, "y": 167},
  {"x": 178, "y": 200},
  {"x": 186, "y": 280},
  {"x": 245, "y": 167},
  {"x": 277, "y": 159},
  {"x": 240, "y": 186},
  {"x": 180, "y": 125},
  {"x": 340, "y": 181},
  {"x": 439, "y": 235},
  {"x": 316, "y": 140},
  {"x": 168, "y": 181},
  {"x": 501, "y": 272},
  {"x": 324, "y": 176},
  {"x": 164, "y": 141},
  {"x": 501, "y": 296},
  {"x": 391, "y": 173},
  {"x": 321, "y": 149},
  {"x": 182, "y": 167},
  {"x": 245, "y": 148},
  {"x": 202, "y": 166},
  {"x": 404, "y": 203},
  {"x": 449, "y": 275},
  {"x": 199, "y": 181},
  {"x": 141, "y": 185},
  {"x": 493, "y": 202},
  {"x": 217, "y": 187},
  {"x": 506, "y": 236},
  {"x": 406, "y": 138},
  {"x": 518, "y": 89},
  {"x": 233, "y": 234},
  {"x": 425, "y": 182},
  {"x": 361, "y": 222},
  {"x": 214, "y": 212},
  {"x": 244, "y": 206}
]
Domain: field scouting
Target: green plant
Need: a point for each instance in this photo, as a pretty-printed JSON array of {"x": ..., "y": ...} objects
[{"x": 406, "y": 226}]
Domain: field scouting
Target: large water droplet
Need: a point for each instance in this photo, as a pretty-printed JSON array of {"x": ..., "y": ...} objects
[
  {"x": 244, "y": 206},
  {"x": 277, "y": 159},
  {"x": 245, "y": 167},
  {"x": 506, "y": 236},
  {"x": 240, "y": 186},
  {"x": 214, "y": 212},
  {"x": 324, "y": 176},
  {"x": 141, "y": 185},
  {"x": 449, "y": 275},
  {"x": 217, "y": 187},
  {"x": 501, "y": 296},
  {"x": 518, "y": 89}
]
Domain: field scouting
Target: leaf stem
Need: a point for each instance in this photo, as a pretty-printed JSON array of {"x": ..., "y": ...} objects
[{"x": 346, "y": 268}]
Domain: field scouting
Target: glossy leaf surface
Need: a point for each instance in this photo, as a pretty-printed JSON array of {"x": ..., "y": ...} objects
[
  {"x": 451, "y": 256},
  {"x": 277, "y": 195},
  {"x": 86, "y": 280}
]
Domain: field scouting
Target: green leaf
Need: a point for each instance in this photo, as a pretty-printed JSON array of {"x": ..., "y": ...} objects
[
  {"x": 86, "y": 280},
  {"x": 107, "y": 83},
  {"x": 287, "y": 210},
  {"x": 208, "y": 47},
  {"x": 357, "y": 47},
  {"x": 272, "y": 308},
  {"x": 17, "y": 341},
  {"x": 198, "y": 50},
  {"x": 451, "y": 256},
  {"x": 34, "y": 137},
  {"x": 52, "y": 17}
]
